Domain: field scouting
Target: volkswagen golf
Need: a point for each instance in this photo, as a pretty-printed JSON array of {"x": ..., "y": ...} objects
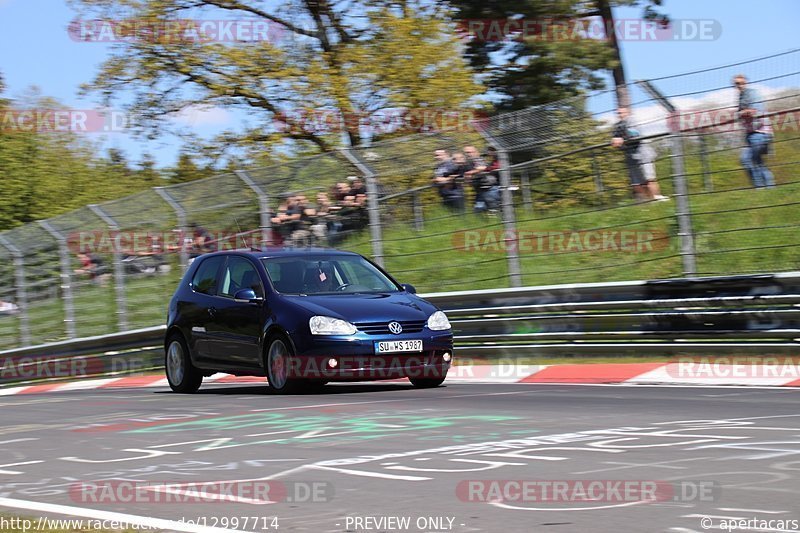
[{"x": 301, "y": 318}]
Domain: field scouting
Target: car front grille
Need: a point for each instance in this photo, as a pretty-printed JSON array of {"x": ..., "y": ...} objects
[{"x": 382, "y": 328}]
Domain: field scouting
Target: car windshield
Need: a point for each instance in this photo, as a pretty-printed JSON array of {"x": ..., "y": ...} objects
[{"x": 326, "y": 274}]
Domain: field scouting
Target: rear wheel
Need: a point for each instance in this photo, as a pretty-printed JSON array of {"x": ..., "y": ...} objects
[
  {"x": 279, "y": 364},
  {"x": 426, "y": 383},
  {"x": 181, "y": 374}
]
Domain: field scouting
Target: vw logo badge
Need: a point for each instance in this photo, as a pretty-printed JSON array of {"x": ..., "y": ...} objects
[{"x": 395, "y": 328}]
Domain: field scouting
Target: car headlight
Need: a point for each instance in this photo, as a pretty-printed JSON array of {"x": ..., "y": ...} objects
[
  {"x": 438, "y": 321},
  {"x": 326, "y": 325}
]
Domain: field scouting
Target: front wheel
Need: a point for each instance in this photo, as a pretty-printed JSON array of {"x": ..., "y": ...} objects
[
  {"x": 426, "y": 383},
  {"x": 181, "y": 373},
  {"x": 279, "y": 363}
]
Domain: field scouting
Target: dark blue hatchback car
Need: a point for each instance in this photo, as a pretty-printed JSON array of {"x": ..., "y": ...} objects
[{"x": 301, "y": 318}]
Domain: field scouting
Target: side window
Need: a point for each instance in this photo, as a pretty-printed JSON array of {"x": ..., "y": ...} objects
[
  {"x": 205, "y": 278},
  {"x": 240, "y": 274}
]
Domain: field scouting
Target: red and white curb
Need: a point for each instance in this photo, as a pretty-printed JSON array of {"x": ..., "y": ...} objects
[{"x": 674, "y": 373}]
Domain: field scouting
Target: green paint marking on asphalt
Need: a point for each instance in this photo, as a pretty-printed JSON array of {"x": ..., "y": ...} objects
[{"x": 322, "y": 428}]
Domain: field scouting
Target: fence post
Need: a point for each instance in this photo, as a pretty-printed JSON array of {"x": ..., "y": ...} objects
[
  {"x": 180, "y": 213},
  {"x": 514, "y": 270},
  {"x": 598, "y": 178},
  {"x": 527, "y": 201},
  {"x": 263, "y": 203},
  {"x": 119, "y": 268},
  {"x": 512, "y": 255},
  {"x": 373, "y": 208},
  {"x": 22, "y": 295},
  {"x": 683, "y": 209},
  {"x": 707, "y": 183},
  {"x": 66, "y": 278}
]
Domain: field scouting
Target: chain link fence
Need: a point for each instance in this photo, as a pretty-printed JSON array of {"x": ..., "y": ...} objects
[{"x": 555, "y": 205}]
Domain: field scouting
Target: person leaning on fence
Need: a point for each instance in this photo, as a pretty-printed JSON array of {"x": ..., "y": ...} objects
[
  {"x": 301, "y": 231},
  {"x": 447, "y": 178},
  {"x": 320, "y": 215},
  {"x": 202, "y": 242},
  {"x": 757, "y": 133},
  {"x": 287, "y": 219},
  {"x": 647, "y": 159},
  {"x": 483, "y": 175},
  {"x": 629, "y": 141},
  {"x": 356, "y": 186}
]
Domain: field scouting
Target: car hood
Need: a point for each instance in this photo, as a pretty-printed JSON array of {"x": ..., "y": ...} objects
[{"x": 366, "y": 307}]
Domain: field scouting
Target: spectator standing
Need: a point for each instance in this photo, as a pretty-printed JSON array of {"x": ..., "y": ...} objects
[
  {"x": 758, "y": 135},
  {"x": 647, "y": 159},
  {"x": 628, "y": 139}
]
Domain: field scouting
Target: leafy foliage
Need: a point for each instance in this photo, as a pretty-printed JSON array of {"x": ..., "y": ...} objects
[{"x": 350, "y": 59}]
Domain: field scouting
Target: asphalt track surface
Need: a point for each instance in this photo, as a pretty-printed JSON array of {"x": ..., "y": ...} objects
[{"x": 387, "y": 452}]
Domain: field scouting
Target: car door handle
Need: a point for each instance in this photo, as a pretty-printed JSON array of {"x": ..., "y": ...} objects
[{"x": 212, "y": 311}]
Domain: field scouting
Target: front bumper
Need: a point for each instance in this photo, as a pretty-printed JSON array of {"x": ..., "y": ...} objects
[{"x": 353, "y": 358}]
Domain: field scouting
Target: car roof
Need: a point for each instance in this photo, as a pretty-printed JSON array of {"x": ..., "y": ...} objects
[{"x": 279, "y": 251}]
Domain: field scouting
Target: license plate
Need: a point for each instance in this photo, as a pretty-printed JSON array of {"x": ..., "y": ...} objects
[{"x": 398, "y": 346}]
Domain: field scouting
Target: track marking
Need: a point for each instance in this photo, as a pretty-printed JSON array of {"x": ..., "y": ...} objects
[
  {"x": 721, "y": 517},
  {"x": 365, "y": 473},
  {"x": 18, "y": 440},
  {"x": 14, "y": 472},
  {"x": 635, "y": 465},
  {"x": 750, "y": 510},
  {"x": 130, "y": 519},
  {"x": 563, "y": 509},
  {"x": 416, "y": 398}
]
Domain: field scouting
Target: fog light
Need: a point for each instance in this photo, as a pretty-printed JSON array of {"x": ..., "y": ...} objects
[
  {"x": 446, "y": 357},
  {"x": 333, "y": 363}
]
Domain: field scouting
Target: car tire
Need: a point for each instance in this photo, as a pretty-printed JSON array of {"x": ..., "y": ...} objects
[
  {"x": 426, "y": 383},
  {"x": 277, "y": 363},
  {"x": 182, "y": 375}
]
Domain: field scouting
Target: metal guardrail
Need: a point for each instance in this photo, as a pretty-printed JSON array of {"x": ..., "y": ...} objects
[{"x": 757, "y": 314}]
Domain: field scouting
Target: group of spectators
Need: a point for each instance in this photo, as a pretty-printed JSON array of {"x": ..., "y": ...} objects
[
  {"x": 468, "y": 168},
  {"x": 758, "y": 137},
  {"x": 334, "y": 214}
]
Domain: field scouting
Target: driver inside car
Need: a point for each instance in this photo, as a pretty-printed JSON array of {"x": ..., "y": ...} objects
[{"x": 320, "y": 278}]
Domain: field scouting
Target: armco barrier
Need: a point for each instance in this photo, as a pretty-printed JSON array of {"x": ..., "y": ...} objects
[{"x": 757, "y": 314}]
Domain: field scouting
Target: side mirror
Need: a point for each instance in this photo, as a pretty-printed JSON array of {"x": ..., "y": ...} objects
[
  {"x": 247, "y": 296},
  {"x": 409, "y": 288}
]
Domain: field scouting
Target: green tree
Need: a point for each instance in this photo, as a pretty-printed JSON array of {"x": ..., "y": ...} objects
[
  {"x": 44, "y": 173},
  {"x": 547, "y": 64},
  {"x": 346, "y": 58},
  {"x": 147, "y": 174},
  {"x": 184, "y": 170},
  {"x": 605, "y": 11}
]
